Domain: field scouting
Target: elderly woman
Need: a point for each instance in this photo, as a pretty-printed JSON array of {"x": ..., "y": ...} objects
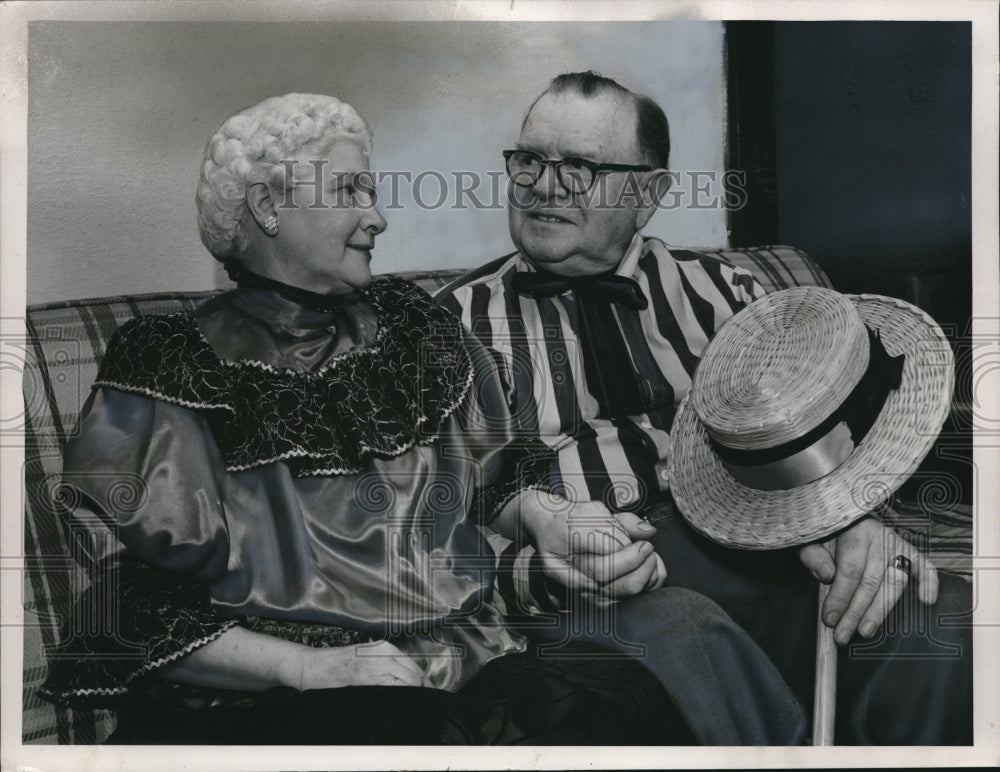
[{"x": 308, "y": 458}]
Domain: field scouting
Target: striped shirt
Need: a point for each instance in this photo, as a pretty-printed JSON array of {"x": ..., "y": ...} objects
[{"x": 620, "y": 460}]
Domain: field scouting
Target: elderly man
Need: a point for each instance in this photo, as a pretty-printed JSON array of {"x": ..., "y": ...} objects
[{"x": 599, "y": 330}]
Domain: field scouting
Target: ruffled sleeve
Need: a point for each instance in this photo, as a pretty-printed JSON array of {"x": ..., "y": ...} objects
[
  {"x": 141, "y": 487},
  {"x": 510, "y": 462},
  {"x": 152, "y": 472},
  {"x": 133, "y": 619}
]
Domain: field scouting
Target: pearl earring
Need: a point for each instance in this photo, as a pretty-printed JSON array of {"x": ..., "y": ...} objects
[{"x": 271, "y": 225}]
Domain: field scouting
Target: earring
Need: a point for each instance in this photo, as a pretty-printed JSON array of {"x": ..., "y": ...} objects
[{"x": 271, "y": 225}]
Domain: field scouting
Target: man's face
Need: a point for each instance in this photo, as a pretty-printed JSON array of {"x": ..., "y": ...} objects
[{"x": 561, "y": 232}]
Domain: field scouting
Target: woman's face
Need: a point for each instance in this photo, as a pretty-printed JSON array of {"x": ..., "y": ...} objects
[{"x": 326, "y": 231}]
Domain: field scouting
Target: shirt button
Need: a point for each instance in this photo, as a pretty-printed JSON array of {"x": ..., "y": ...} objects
[{"x": 663, "y": 473}]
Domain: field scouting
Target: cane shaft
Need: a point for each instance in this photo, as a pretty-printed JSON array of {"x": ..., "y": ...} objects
[{"x": 825, "y": 697}]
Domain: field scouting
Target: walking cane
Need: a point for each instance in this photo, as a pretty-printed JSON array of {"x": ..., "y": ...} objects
[
  {"x": 759, "y": 452},
  {"x": 825, "y": 694}
]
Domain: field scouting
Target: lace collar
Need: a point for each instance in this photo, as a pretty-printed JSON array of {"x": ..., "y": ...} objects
[{"x": 375, "y": 400}]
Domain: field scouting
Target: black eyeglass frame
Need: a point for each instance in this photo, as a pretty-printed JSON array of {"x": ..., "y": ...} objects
[{"x": 594, "y": 167}]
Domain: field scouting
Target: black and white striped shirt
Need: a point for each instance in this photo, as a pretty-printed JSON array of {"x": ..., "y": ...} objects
[{"x": 621, "y": 460}]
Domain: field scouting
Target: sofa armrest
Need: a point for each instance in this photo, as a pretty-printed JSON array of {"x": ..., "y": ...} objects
[{"x": 775, "y": 267}]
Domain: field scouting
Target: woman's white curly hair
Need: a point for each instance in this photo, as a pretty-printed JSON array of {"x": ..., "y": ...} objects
[{"x": 250, "y": 146}]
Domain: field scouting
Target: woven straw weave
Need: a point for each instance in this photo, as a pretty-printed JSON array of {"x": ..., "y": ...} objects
[
  {"x": 738, "y": 516},
  {"x": 775, "y": 374}
]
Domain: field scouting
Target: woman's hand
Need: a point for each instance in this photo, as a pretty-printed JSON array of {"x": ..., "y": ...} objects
[
  {"x": 585, "y": 547},
  {"x": 366, "y": 664},
  {"x": 864, "y": 587},
  {"x": 243, "y": 660}
]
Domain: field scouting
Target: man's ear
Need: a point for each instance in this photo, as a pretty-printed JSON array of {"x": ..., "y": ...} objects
[
  {"x": 260, "y": 204},
  {"x": 654, "y": 188}
]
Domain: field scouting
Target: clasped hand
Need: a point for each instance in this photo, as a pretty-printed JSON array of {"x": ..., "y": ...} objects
[
  {"x": 863, "y": 586},
  {"x": 588, "y": 549}
]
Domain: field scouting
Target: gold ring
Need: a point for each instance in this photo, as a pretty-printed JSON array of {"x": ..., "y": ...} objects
[{"x": 901, "y": 563}]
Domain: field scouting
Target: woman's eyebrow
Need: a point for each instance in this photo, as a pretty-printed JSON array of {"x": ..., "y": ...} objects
[{"x": 339, "y": 178}]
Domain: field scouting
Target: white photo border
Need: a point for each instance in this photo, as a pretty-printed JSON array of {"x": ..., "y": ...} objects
[{"x": 14, "y": 17}]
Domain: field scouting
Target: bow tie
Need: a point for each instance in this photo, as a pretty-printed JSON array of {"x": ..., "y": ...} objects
[
  {"x": 616, "y": 289},
  {"x": 612, "y": 377}
]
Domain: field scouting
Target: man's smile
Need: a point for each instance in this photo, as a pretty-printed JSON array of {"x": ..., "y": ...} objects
[{"x": 548, "y": 217}]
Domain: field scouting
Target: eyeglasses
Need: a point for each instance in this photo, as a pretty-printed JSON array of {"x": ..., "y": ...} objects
[{"x": 577, "y": 175}]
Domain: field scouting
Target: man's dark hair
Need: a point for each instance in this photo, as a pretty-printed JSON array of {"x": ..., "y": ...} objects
[{"x": 652, "y": 129}]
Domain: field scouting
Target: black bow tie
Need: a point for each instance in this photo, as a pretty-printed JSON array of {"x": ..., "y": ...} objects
[
  {"x": 617, "y": 289},
  {"x": 612, "y": 377}
]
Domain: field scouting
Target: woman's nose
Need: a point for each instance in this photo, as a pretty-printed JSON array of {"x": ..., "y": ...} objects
[{"x": 374, "y": 222}]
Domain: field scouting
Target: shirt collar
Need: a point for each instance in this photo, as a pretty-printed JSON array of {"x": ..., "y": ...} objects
[{"x": 630, "y": 262}]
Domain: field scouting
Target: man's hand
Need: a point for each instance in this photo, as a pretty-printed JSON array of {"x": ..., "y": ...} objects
[
  {"x": 587, "y": 548},
  {"x": 864, "y": 587}
]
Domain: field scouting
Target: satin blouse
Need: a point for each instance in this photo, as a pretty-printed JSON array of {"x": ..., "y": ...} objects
[{"x": 311, "y": 466}]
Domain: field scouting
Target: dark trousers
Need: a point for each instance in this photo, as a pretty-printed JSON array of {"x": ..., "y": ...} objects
[
  {"x": 520, "y": 699},
  {"x": 909, "y": 685},
  {"x": 725, "y": 689}
]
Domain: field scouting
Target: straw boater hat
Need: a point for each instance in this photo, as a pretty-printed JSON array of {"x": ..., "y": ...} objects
[{"x": 808, "y": 410}]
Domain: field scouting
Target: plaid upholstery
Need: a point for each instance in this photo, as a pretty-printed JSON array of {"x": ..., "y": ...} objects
[
  {"x": 775, "y": 267},
  {"x": 65, "y": 343}
]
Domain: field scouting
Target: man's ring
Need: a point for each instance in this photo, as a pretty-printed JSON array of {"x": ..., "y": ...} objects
[{"x": 902, "y": 563}]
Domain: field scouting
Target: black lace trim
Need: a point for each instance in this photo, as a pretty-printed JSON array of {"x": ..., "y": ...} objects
[
  {"x": 146, "y": 618},
  {"x": 139, "y": 621},
  {"x": 525, "y": 465},
  {"x": 313, "y": 634},
  {"x": 376, "y": 400}
]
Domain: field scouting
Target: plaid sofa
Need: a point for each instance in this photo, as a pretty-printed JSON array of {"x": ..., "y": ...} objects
[{"x": 65, "y": 343}]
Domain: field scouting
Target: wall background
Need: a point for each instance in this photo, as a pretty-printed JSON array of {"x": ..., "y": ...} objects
[
  {"x": 119, "y": 113},
  {"x": 874, "y": 155}
]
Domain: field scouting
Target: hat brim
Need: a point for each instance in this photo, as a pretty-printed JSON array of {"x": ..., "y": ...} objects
[{"x": 904, "y": 432}]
